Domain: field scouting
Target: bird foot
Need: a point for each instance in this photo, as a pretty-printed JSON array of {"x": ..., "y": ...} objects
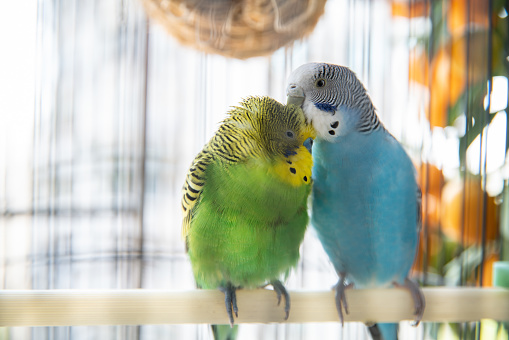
[
  {"x": 230, "y": 300},
  {"x": 417, "y": 296},
  {"x": 375, "y": 332},
  {"x": 341, "y": 303},
  {"x": 281, "y": 291}
]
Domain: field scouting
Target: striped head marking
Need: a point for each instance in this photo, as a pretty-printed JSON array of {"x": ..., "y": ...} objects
[
  {"x": 284, "y": 136},
  {"x": 333, "y": 99},
  {"x": 280, "y": 130}
]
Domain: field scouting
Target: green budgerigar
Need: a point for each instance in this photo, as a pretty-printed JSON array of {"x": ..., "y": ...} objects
[{"x": 245, "y": 201}]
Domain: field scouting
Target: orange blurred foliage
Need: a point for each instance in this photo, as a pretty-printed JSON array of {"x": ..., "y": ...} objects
[
  {"x": 430, "y": 180},
  {"x": 487, "y": 277},
  {"x": 430, "y": 248},
  {"x": 448, "y": 80},
  {"x": 410, "y": 10},
  {"x": 458, "y": 17},
  {"x": 431, "y": 210},
  {"x": 448, "y": 73},
  {"x": 418, "y": 66},
  {"x": 462, "y": 212}
]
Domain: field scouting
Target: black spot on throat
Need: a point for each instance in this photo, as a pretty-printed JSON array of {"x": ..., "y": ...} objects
[
  {"x": 332, "y": 132},
  {"x": 305, "y": 178},
  {"x": 293, "y": 171},
  {"x": 334, "y": 124}
]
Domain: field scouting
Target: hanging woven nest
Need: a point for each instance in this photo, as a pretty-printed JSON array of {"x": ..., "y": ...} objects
[{"x": 236, "y": 28}]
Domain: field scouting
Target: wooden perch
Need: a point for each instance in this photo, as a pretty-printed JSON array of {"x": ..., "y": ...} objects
[{"x": 136, "y": 307}]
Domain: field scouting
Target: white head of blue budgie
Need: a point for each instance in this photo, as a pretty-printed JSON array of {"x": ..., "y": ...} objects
[{"x": 333, "y": 99}]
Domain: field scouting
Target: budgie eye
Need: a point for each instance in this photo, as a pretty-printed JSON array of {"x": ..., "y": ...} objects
[
  {"x": 320, "y": 82},
  {"x": 289, "y": 134}
]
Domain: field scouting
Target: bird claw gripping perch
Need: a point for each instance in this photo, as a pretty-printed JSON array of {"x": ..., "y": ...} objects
[
  {"x": 417, "y": 297},
  {"x": 230, "y": 300},
  {"x": 281, "y": 290},
  {"x": 341, "y": 303},
  {"x": 375, "y": 332}
]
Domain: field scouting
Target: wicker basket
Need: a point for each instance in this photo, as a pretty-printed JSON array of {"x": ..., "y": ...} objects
[{"x": 236, "y": 28}]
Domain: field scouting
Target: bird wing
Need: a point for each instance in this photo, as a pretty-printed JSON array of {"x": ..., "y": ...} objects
[
  {"x": 195, "y": 180},
  {"x": 230, "y": 145}
]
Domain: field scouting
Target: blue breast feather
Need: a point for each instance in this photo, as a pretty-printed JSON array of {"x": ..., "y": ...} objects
[{"x": 364, "y": 207}]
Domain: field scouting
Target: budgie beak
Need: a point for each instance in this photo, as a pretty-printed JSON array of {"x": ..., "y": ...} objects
[
  {"x": 308, "y": 144},
  {"x": 295, "y": 95},
  {"x": 309, "y": 135}
]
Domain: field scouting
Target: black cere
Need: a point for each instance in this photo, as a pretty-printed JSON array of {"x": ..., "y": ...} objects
[
  {"x": 331, "y": 132},
  {"x": 334, "y": 125},
  {"x": 305, "y": 178},
  {"x": 293, "y": 171}
]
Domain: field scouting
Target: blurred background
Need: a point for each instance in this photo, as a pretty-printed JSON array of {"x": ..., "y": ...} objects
[{"x": 104, "y": 103}]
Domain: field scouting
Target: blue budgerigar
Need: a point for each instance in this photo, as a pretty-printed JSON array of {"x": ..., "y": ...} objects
[{"x": 365, "y": 198}]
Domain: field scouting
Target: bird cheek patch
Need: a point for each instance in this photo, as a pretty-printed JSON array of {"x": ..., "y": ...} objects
[
  {"x": 296, "y": 168},
  {"x": 326, "y": 107},
  {"x": 334, "y": 125}
]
